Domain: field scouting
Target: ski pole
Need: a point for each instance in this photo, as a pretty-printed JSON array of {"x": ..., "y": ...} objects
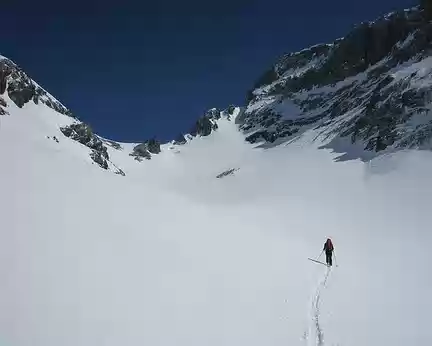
[
  {"x": 334, "y": 252},
  {"x": 320, "y": 254}
]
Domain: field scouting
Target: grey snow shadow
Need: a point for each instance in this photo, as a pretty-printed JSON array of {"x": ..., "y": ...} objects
[
  {"x": 349, "y": 151},
  {"x": 375, "y": 162},
  {"x": 340, "y": 145}
]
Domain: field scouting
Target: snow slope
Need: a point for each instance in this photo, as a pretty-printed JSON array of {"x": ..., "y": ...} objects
[{"x": 172, "y": 255}]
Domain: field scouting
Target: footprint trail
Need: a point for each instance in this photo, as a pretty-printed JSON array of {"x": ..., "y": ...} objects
[{"x": 314, "y": 335}]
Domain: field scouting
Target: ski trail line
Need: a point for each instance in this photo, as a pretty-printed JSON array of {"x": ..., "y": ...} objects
[{"x": 314, "y": 335}]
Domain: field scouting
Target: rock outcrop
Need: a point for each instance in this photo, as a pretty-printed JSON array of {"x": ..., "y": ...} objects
[
  {"x": 22, "y": 89},
  {"x": 205, "y": 125},
  {"x": 370, "y": 89},
  {"x": 145, "y": 150},
  {"x": 141, "y": 152},
  {"x": 83, "y": 134},
  {"x": 227, "y": 173},
  {"x": 153, "y": 146}
]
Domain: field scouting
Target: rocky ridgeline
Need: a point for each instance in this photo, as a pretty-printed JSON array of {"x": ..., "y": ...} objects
[
  {"x": 204, "y": 126},
  {"x": 371, "y": 88},
  {"x": 146, "y": 149},
  {"x": 83, "y": 134},
  {"x": 22, "y": 89},
  {"x": 2, "y": 105}
]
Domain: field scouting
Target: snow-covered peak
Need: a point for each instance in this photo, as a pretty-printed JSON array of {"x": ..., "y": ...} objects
[
  {"x": 22, "y": 89},
  {"x": 18, "y": 90},
  {"x": 364, "y": 95}
]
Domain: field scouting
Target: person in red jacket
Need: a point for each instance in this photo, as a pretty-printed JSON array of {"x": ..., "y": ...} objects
[{"x": 328, "y": 248}]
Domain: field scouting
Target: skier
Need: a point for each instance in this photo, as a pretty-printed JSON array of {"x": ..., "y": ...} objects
[{"x": 328, "y": 248}]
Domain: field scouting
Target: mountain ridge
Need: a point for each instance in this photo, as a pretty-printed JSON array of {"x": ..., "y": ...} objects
[
  {"x": 362, "y": 95},
  {"x": 351, "y": 92},
  {"x": 21, "y": 89}
]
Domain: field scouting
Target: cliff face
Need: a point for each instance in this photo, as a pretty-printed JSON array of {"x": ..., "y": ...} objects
[
  {"x": 370, "y": 89},
  {"x": 22, "y": 89}
]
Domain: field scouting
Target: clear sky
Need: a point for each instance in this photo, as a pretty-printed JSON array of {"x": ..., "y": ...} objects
[{"x": 138, "y": 69}]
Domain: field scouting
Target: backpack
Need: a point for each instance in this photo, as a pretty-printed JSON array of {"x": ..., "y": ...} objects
[{"x": 329, "y": 245}]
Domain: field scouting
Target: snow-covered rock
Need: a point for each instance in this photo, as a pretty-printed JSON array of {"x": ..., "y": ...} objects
[
  {"x": 368, "y": 90},
  {"x": 22, "y": 89}
]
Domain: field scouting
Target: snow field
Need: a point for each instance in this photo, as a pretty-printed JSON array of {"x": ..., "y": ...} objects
[{"x": 170, "y": 255}]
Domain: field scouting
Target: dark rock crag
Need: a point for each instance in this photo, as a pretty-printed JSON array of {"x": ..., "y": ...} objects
[
  {"x": 22, "y": 89},
  {"x": 351, "y": 89},
  {"x": 83, "y": 134}
]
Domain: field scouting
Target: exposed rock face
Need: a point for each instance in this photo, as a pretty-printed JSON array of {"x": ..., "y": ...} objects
[
  {"x": 371, "y": 88},
  {"x": 203, "y": 127},
  {"x": 146, "y": 149},
  {"x": 111, "y": 143},
  {"x": 83, "y": 134},
  {"x": 4, "y": 73},
  {"x": 2, "y": 104},
  {"x": 227, "y": 173},
  {"x": 141, "y": 152},
  {"x": 230, "y": 110},
  {"x": 213, "y": 114},
  {"x": 206, "y": 124},
  {"x": 153, "y": 146},
  {"x": 99, "y": 159},
  {"x": 119, "y": 172},
  {"x": 22, "y": 89}
]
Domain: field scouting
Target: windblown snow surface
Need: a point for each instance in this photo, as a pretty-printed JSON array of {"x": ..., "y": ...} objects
[{"x": 171, "y": 255}]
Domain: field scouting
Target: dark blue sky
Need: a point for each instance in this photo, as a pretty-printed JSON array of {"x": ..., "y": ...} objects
[{"x": 137, "y": 69}]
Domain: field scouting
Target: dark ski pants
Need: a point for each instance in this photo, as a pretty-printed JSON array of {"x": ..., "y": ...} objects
[{"x": 329, "y": 258}]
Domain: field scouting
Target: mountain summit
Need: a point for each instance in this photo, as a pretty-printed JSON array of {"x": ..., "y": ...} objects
[
  {"x": 365, "y": 94},
  {"x": 18, "y": 90}
]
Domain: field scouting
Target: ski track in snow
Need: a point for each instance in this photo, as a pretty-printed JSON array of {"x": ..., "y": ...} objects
[{"x": 314, "y": 335}]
